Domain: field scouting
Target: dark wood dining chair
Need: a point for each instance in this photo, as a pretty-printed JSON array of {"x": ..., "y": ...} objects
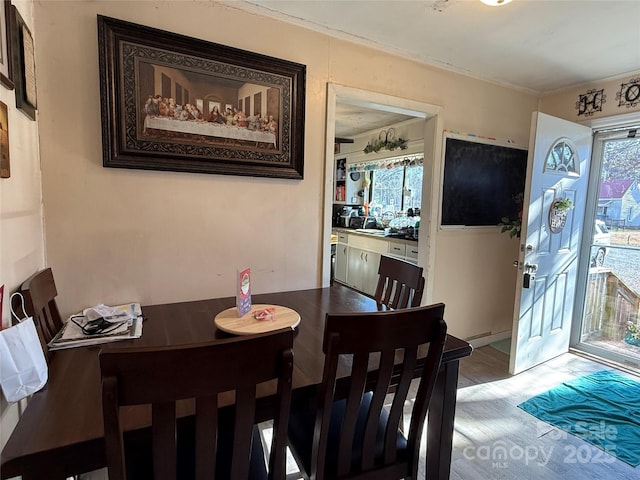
[
  {"x": 353, "y": 432},
  {"x": 40, "y": 292},
  {"x": 214, "y": 443},
  {"x": 400, "y": 284}
]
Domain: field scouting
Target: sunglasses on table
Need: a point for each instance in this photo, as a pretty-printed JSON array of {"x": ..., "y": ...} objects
[{"x": 99, "y": 325}]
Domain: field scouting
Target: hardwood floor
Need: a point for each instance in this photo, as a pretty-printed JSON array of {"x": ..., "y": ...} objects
[{"x": 489, "y": 423}]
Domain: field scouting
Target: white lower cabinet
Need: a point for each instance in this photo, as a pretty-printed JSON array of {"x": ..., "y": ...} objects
[
  {"x": 355, "y": 267},
  {"x": 412, "y": 253},
  {"x": 341, "y": 262},
  {"x": 370, "y": 272},
  {"x": 358, "y": 259},
  {"x": 362, "y": 272},
  {"x": 398, "y": 249}
]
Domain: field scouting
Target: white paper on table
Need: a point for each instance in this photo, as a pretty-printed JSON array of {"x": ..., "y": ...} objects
[{"x": 71, "y": 335}]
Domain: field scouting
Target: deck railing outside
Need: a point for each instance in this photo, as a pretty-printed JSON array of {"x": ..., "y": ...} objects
[{"x": 609, "y": 306}]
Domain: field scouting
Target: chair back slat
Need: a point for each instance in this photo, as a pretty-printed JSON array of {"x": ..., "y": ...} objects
[
  {"x": 323, "y": 418},
  {"x": 163, "y": 435},
  {"x": 397, "y": 406},
  {"x": 206, "y": 438},
  {"x": 400, "y": 284},
  {"x": 245, "y": 403},
  {"x": 396, "y": 339},
  {"x": 160, "y": 376},
  {"x": 357, "y": 384},
  {"x": 383, "y": 379},
  {"x": 277, "y": 463},
  {"x": 114, "y": 443},
  {"x": 40, "y": 292},
  {"x": 421, "y": 404}
]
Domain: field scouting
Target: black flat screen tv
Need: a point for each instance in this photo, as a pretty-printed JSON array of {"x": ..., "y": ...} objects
[{"x": 481, "y": 182}]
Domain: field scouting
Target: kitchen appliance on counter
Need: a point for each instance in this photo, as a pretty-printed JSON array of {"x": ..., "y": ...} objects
[
  {"x": 342, "y": 214},
  {"x": 356, "y": 222},
  {"x": 370, "y": 222},
  {"x": 362, "y": 222}
]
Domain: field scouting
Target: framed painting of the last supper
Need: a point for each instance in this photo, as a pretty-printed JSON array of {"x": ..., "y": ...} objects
[{"x": 171, "y": 102}]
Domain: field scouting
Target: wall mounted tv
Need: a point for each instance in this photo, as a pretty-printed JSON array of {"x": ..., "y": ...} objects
[{"x": 481, "y": 180}]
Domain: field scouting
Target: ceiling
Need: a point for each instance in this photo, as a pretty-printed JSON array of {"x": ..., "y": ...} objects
[
  {"x": 352, "y": 120},
  {"x": 536, "y": 46}
]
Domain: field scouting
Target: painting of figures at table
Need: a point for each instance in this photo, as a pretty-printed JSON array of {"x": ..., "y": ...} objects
[{"x": 178, "y": 105}]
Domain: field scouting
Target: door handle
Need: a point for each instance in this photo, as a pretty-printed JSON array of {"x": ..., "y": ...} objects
[{"x": 529, "y": 274}]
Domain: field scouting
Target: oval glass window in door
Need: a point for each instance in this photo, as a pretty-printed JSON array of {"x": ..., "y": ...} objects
[{"x": 563, "y": 158}]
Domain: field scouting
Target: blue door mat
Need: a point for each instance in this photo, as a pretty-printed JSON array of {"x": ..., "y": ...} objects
[{"x": 583, "y": 406}]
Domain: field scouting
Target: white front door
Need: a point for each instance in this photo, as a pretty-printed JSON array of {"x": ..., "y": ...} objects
[{"x": 557, "y": 169}]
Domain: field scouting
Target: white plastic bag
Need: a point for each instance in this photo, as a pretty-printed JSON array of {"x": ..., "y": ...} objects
[{"x": 23, "y": 368}]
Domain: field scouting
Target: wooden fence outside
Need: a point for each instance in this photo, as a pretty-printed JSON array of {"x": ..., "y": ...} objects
[{"x": 609, "y": 306}]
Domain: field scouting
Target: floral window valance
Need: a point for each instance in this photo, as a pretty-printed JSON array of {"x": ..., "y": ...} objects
[{"x": 404, "y": 161}]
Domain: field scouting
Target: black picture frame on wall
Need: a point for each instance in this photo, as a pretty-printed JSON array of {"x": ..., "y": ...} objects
[
  {"x": 24, "y": 65},
  {"x": 165, "y": 99},
  {"x": 5, "y": 164},
  {"x": 6, "y": 66}
]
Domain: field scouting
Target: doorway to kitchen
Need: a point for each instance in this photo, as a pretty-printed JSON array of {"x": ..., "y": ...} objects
[
  {"x": 338, "y": 96},
  {"x": 609, "y": 327}
]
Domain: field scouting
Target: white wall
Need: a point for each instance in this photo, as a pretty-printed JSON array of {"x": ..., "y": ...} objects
[
  {"x": 117, "y": 235},
  {"x": 21, "y": 231},
  {"x": 616, "y": 93}
]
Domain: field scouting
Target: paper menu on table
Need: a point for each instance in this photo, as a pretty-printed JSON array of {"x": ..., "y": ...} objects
[{"x": 243, "y": 292}]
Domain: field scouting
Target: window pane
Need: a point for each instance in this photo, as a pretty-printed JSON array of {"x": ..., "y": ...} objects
[
  {"x": 562, "y": 158},
  {"x": 386, "y": 189},
  {"x": 413, "y": 182}
]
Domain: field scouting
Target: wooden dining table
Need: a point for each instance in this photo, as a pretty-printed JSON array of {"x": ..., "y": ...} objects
[{"x": 60, "y": 433}]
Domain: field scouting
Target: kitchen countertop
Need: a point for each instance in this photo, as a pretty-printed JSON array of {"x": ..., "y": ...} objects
[{"x": 372, "y": 232}]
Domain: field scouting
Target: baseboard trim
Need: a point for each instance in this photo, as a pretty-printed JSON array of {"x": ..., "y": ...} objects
[{"x": 488, "y": 339}]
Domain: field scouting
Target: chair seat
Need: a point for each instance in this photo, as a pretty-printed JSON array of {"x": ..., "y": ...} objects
[
  {"x": 301, "y": 426},
  {"x": 139, "y": 453}
]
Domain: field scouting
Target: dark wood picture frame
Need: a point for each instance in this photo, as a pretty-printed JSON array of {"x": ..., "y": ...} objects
[
  {"x": 24, "y": 65},
  {"x": 6, "y": 66},
  {"x": 150, "y": 82},
  {"x": 5, "y": 164}
]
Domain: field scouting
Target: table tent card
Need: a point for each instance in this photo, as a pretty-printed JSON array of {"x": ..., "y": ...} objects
[{"x": 243, "y": 295}]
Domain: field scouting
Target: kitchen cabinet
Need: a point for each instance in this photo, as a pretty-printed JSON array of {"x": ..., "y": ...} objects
[
  {"x": 397, "y": 249},
  {"x": 358, "y": 257},
  {"x": 362, "y": 270},
  {"x": 412, "y": 253},
  {"x": 370, "y": 272},
  {"x": 404, "y": 251},
  {"x": 341, "y": 258}
]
